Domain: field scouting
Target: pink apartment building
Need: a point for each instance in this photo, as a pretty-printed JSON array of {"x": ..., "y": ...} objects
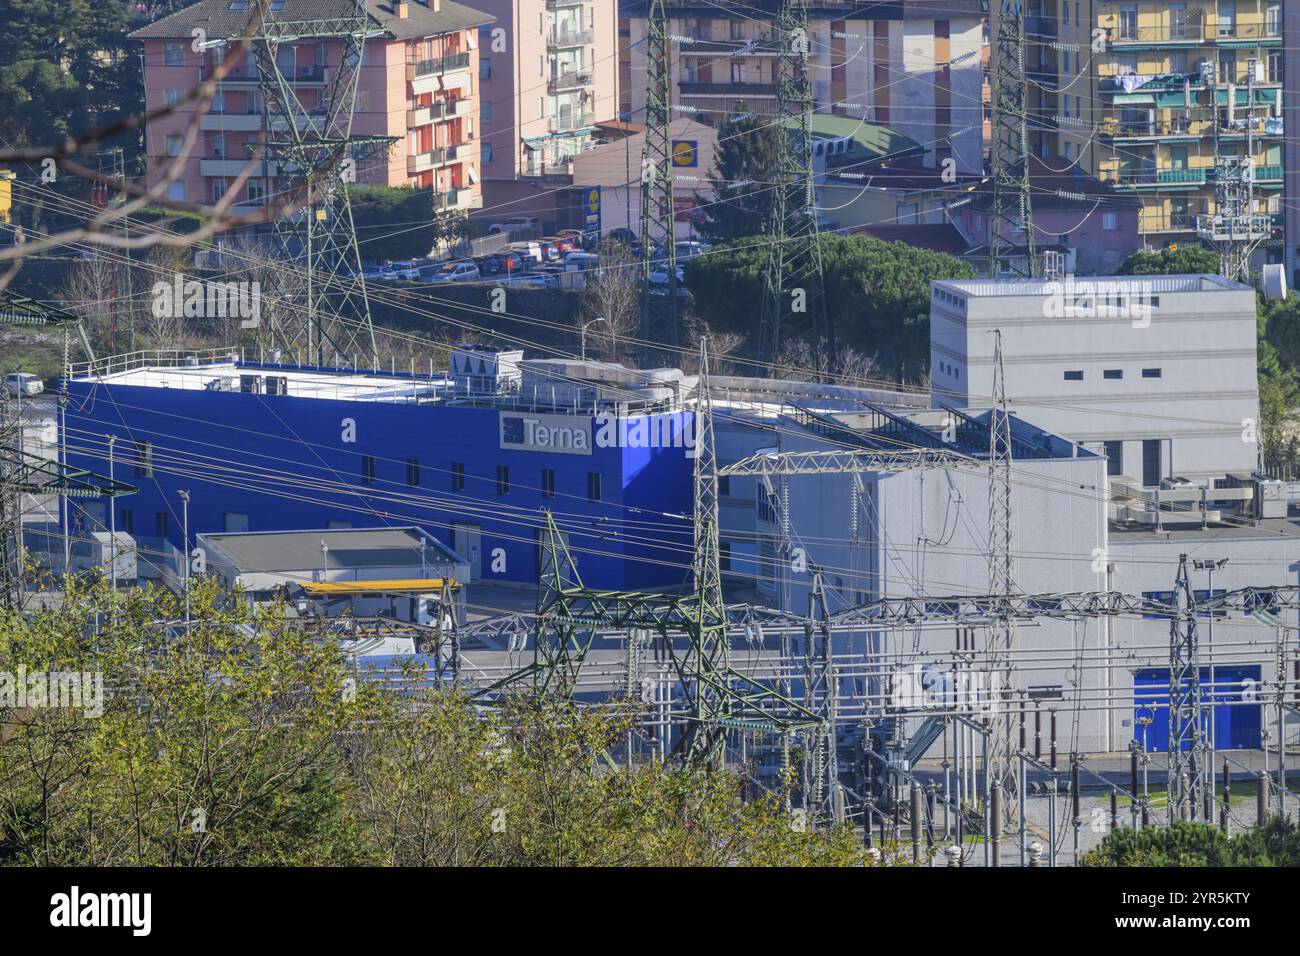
[{"x": 418, "y": 82}]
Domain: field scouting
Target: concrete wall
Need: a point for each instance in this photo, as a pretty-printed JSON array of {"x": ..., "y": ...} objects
[{"x": 1199, "y": 408}]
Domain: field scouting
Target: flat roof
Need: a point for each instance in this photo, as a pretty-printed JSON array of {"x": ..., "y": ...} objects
[
  {"x": 1264, "y": 528},
  {"x": 993, "y": 288},
  {"x": 345, "y": 548},
  {"x": 346, "y": 385}
]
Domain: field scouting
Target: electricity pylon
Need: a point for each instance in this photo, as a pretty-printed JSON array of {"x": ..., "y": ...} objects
[
  {"x": 1012, "y": 207},
  {"x": 659, "y": 318},
  {"x": 1233, "y": 230},
  {"x": 310, "y": 147},
  {"x": 792, "y": 283}
]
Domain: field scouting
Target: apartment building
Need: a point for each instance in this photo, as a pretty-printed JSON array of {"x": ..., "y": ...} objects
[
  {"x": 418, "y": 83},
  {"x": 918, "y": 67},
  {"x": 1139, "y": 91},
  {"x": 549, "y": 73}
]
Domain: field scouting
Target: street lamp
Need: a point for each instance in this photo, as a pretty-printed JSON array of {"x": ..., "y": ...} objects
[
  {"x": 324, "y": 560},
  {"x": 185, "y": 556},
  {"x": 599, "y": 318}
]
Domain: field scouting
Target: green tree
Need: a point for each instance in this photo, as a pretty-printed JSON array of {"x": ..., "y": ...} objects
[
  {"x": 1276, "y": 843},
  {"x": 1187, "y": 260},
  {"x": 399, "y": 223},
  {"x": 879, "y": 293},
  {"x": 744, "y": 168}
]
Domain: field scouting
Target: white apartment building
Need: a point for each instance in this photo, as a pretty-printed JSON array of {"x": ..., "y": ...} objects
[{"x": 1156, "y": 372}]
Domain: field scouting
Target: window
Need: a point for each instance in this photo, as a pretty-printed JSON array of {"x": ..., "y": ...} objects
[
  {"x": 363, "y": 101},
  {"x": 1151, "y": 373},
  {"x": 176, "y": 190},
  {"x": 368, "y": 469},
  {"x": 1114, "y": 457},
  {"x": 486, "y": 154},
  {"x": 1074, "y": 376},
  {"x": 1151, "y": 462},
  {"x": 485, "y": 111},
  {"x": 143, "y": 459},
  {"x": 173, "y": 97},
  {"x": 413, "y": 472},
  {"x": 338, "y": 525},
  {"x": 173, "y": 144},
  {"x": 174, "y": 54},
  {"x": 485, "y": 68},
  {"x": 724, "y": 556},
  {"x": 1113, "y": 373},
  {"x": 1110, "y": 221},
  {"x": 160, "y": 525},
  {"x": 503, "y": 480},
  {"x": 256, "y": 192},
  {"x": 234, "y": 521},
  {"x": 457, "y": 476},
  {"x": 724, "y": 486},
  {"x": 593, "y": 486},
  {"x": 126, "y": 520},
  {"x": 548, "y": 482},
  {"x": 218, "y": 189}
]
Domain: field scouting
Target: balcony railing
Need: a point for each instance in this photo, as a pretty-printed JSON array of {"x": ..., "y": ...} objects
[
  {"x": 442, "y": 110},
  {"x": 570, "y": 122},
  {"x": 570, "y": 81},
  {"x": 419, "y": 162},
  {"x": 1157, "y": 177},
  {"x": 727, "y": 89},
  {"x": 1268, "y": 174},
  {"x": 1145, "y": 130},
  {"x": 563, "y": 38},
  {"x": 441, "y": 64},
  {"x": 1169, "y": 222},
  {"x": 452, "y": 199},
  {"x": 1192, "y": 32}
]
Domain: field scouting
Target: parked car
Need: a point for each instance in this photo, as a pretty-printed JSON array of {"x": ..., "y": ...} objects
[
  {"x": 455, "y": 272},
  {"x": 690, "y": 249},
  {"x": 565, "y": 244},
  {"x": 488, "y": 265},
  {"x": 380, "y": 274},
  {"x": 513, "y": 263},
  {"x": 550, "y": 251},
  {"x": 625, "y": 236},
  {"x": 581, "y": 261},
  {"x": 517, "y": 227},
  {"x": 405, "y": 270},
  {"x": 529, "y": 250},
  {"x": 535, "y": 280},
  {"x": 659, "y": 275},
  {"x": 23, "y": 384}
]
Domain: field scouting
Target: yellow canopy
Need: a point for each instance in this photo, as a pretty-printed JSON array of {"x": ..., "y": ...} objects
[{"x": 398, "y": 586}]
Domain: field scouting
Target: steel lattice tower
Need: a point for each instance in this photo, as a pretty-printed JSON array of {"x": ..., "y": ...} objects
[
  {"x": 1002, "y": 631},
  {"x": 794, "y": 253},
  {"x": 1186, "y": 766},
  {"x": 659, "y": 319},
  {"x": 310, "y": 147},
  {"x": 1012, "y": 209},
  {"x": 1234, "y": 230}
]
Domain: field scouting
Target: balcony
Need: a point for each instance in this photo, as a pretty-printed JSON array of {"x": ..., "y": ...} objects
[
  {"x": 1268, "y": 174},
  {"x": 422, "y": 162},
  {"x": 1177, "y": 129},
  {"x": 737, "y": 90},
  {"x": 231, "y": 122},
  {"x": 453, "y": 199},
  {"x": 569, "y": 81},
  {"x": 563, "y": 4},
  {"x": 559, "y": 39},
  {"x": 1155, "y": 221},
  {"x": 441, "y": 64},
  {"x": 442, "y": 110},
  {"x": 1156, "y": 178},
  {"x": 571, "y": 122},
  {"x": 1193, "y": 32}
]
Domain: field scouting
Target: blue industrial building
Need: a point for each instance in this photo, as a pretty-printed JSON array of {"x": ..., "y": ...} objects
[{"x": 475, "y": 457}]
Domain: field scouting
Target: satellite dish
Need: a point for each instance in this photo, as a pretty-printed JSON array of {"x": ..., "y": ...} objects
[{"x": 1274, "y": 282}]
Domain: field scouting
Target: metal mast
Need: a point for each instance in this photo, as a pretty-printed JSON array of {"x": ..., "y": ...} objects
[
  {"x": 1002, "y": 628},
  {"x": 659, "y": 319},
  {"x": 1012, "y": 210},
  {"x": 310, "y": 147},
  {"x": 1186, "y": 756},
  {"x": 793, "y": 280}
]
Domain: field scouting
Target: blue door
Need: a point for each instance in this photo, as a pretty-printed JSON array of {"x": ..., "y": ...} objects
[{"x": 1237, "y": 720}]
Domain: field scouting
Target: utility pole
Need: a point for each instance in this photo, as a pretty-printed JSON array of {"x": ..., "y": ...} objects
[
  {"x": 793, "y": 281},
  {"x": 1234, "y": 230},
  {"x": 659, "y": 319},
  {"x": 1012, "y": 210}
]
